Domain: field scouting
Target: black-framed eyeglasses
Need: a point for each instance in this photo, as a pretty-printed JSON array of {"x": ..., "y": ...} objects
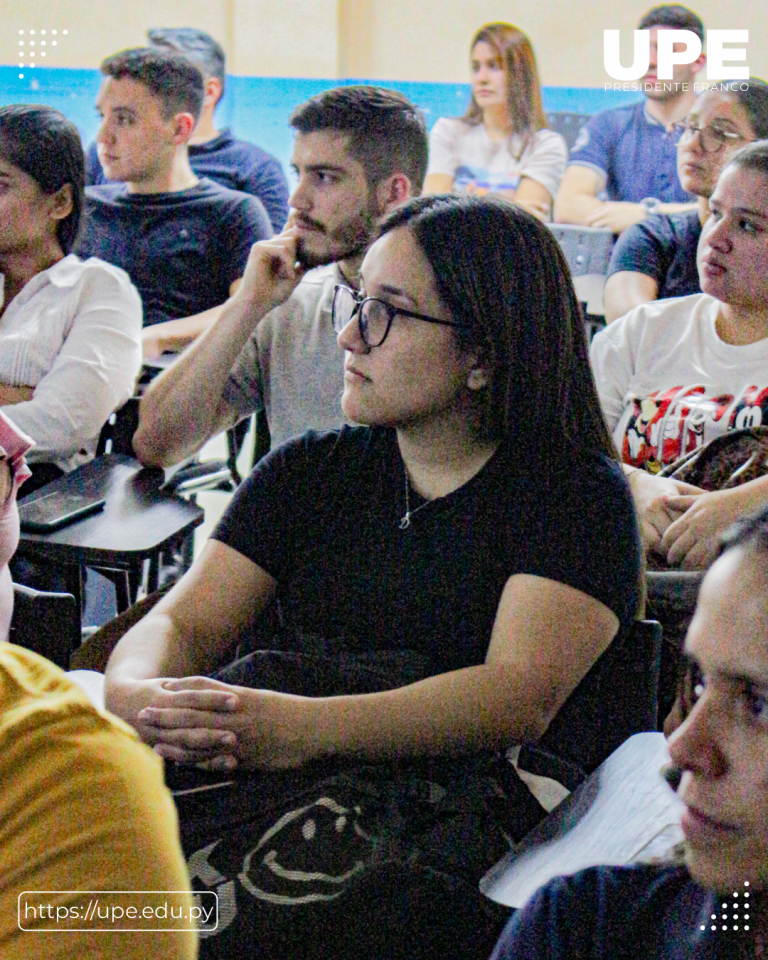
[
  {"x": 712, "y": 138},
  {"x": 374, "y": 316}
]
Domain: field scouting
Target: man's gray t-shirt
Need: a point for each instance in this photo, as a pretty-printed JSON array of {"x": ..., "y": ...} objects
[{"x": 292, "y": 366}]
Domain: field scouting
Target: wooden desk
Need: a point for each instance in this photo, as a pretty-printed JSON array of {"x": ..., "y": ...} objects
[{"x": 139, "y": 522}]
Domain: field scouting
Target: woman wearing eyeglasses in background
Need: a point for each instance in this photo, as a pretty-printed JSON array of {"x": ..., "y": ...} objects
[
  {"x": 656, "y": 259},
  {"x": 674, "y": 374},
  {"x": 455, "y": 527},
  {"x": 501, "y": 144}
]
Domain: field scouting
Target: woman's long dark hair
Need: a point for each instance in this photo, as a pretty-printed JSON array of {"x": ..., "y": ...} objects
[
  {"x": 42, "y": 143},
  {"x": 505, "y": 280},
  {"x": 524, "y": 106}
]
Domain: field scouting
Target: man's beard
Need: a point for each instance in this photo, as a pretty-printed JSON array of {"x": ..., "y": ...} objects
[{"x": 350, "y": 240}]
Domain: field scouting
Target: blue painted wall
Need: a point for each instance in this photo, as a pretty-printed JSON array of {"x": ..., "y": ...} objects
[{"x": 257, "y": 108}]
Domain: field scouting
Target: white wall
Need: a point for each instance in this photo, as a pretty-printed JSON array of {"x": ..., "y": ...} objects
[{"x": 376, "y": 39}]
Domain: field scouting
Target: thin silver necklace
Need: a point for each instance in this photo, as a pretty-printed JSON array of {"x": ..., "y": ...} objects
[{"x": 405, "y": 520}]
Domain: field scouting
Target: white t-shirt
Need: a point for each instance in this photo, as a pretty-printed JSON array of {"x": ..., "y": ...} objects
[
  {"x": 74, "y": 334},
  {"x": 662, "y": 371},
  {"x": 480, "y": 166}
]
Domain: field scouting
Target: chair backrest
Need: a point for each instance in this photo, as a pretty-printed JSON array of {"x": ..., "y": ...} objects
[
  {"x": 262, "y": 442},
  {"x": 567, "y": 124},
  {"x": 47, "y": 623},
  {"x": 117, "y": 433},
  {"x": 587, "y": 249},
  {"x": 616, "y": 699}
]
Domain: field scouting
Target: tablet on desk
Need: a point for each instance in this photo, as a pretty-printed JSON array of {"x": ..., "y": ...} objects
[{"x": 56, "y": 510}]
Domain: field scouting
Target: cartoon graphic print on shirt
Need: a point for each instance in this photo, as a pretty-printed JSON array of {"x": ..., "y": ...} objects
[
  {"x": 477, "y": 181},
  {"x": 668, "y": 424}
]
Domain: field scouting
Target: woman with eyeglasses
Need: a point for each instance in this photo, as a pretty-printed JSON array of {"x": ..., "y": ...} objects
[
  {"x": 656, "y": 259},
  {"x": 471, "y": 549},
  {"x": 502, "y": 143},
  {"x": 675, "y": 373}
]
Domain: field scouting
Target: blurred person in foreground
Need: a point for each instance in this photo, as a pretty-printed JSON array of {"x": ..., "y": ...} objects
[
  {"x": 714, "y": 905},
  {"x": 83, "y": 807}
]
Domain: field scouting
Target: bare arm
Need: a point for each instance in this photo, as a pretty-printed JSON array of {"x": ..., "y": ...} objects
[
  {"x": 184, "y": 406},
  {"x": 9, "y": 395},
  {"x": 652, "y": 497},
  {"x": 438, "y": 183},
  {"x": 544, "y": 640},
  {"x": 529, "y": 194},
  {"x": 190, "y": 631},
  {"x": 174, "y": 335},
  {"x": 535, "y": 197},
  {"x": 6, "y": 481},
  {"x": 577, "y": 196},
  {"x": 617, "y": 215},
  {"x": 676, "y": 207},
  {"x": 577, "y": 202},
  {"x": 625, "y": 290},
  {"x": 692, "y": 541}
]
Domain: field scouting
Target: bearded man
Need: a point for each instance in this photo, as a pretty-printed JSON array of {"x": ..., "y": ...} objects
[{"x": 359, "y": 151}]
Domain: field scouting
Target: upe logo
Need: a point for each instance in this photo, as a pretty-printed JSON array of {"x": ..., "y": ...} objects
[{"x": 717, "y": 53}]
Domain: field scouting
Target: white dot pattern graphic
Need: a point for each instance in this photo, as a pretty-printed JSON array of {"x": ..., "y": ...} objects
[
  {"x": 735, "y": 917},
  {"x": 41, "y": 43}
]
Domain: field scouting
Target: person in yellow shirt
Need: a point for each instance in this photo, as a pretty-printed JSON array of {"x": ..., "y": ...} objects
[{"x": 83, "y": 807}]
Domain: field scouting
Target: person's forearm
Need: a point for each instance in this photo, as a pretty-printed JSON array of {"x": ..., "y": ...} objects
[
  {"x": 539, "y": 208},
  {"x": 483, "y": 707},
  {"x": 574, "y": 207},
  {"x": 639, "y": 481},
  {"x": 182, "y": 407},
  {"x": 10, "y": 395},
  {"x": 152, "y": 648},
  {"x": 625, "y": 290},
  {"x": 668, "y": 208},
  {"x": 177, "y": 334}
]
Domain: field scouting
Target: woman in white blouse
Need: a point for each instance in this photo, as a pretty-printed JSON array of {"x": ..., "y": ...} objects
[
  {"x": 501, "y": 144},
  {"x": 69, "y": 330}
]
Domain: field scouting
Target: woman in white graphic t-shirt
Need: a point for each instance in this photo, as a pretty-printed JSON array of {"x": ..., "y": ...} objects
[
  {"x": 672, "y": 374},
  {"x": 501, "y": 144}
]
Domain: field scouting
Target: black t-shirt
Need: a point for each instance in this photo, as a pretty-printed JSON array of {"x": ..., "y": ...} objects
[
  {"x": 625, "y": 913},
  {"x": 235, "y": 164},
  {"x": 662, "y": 247},
  {"x": 182, "y": 250},
  {"x": 321, "y": 515}
]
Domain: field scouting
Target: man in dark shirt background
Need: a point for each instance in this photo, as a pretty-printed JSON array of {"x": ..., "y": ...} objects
[
  {"x": 184, "y": 241},
  {"x": 214, "y": 153}
]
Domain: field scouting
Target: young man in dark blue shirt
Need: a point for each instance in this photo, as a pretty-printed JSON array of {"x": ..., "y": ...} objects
[
  {"x": 215, "y": 153},
  {"x": 623, "y": 165},
  {"x": 184, "y": 241},
  {"x": 714, "y": 906}
]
